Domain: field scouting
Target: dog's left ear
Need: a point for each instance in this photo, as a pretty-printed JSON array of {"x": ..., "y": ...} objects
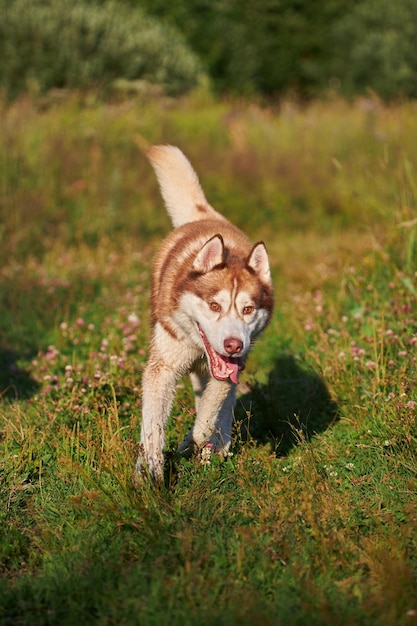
[{"x": 258, "y": 262}]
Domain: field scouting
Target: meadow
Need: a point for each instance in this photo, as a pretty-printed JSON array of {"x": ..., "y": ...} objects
[{"x": 313, "y": 519}]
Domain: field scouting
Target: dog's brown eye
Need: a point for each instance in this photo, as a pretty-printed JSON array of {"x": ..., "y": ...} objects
[
  {"x": 247, "y": 310},
  {"x": 215, "y": 306}
]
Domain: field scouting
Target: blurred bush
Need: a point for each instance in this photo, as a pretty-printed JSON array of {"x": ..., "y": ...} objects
[{"x": 48, "y": 44}]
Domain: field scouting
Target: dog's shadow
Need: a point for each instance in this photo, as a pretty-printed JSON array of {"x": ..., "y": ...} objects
[
  {"x": 15, "y": 382},
  {"x": 294, "y": 404}
]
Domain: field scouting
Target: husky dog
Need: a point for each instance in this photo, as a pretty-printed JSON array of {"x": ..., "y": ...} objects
[{"x": 211, "y": 296}]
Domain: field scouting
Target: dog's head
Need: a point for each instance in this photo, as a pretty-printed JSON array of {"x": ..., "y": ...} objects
[{"x": 228, "y": 299}]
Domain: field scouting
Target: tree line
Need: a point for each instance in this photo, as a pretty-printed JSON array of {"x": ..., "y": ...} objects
[{"x": 267, "y": 48}]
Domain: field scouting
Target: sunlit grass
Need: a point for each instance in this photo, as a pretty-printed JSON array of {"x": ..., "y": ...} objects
[{"x": 313, "y": 518}]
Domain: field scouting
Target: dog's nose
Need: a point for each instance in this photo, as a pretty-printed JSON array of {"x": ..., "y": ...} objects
[{"x": 232, "y": 345}]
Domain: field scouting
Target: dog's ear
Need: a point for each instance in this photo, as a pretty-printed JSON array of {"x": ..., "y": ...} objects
[
  {"x": 210, "y": 255},
  {"x": 258, "y": 262}
]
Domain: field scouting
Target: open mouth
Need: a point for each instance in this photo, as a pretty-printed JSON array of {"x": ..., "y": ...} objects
[{"x": 222, "y": 367}]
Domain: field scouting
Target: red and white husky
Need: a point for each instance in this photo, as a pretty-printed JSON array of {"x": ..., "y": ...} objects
[{"x": 211, "y": 297}]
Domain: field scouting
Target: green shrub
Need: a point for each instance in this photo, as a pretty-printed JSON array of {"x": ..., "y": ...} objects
[{"x": 48, "y": 44}]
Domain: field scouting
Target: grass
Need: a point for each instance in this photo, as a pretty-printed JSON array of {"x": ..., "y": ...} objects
[{"x": 313, "y": 519}]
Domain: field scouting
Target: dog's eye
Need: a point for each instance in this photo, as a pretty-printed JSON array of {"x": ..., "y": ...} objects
[
  {"x": 215, "y": 306},
  {"x": 247, "y": 310}
]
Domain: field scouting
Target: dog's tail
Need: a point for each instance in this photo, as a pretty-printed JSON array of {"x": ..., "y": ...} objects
[{"x": 180, "y": 187}]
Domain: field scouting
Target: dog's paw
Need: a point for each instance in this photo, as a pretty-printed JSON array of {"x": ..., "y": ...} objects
[{"x": 149, "y": 468}]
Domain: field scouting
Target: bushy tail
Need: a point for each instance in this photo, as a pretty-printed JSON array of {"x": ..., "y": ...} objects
[{"x": 180, "y": 187}]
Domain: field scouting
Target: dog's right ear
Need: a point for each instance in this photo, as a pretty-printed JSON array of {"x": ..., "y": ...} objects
[
  {"x": 259, "y": 263},
  {"x": 210, "y": 255}
]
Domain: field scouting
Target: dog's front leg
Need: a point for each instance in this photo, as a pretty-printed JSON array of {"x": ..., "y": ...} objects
[
  {"x": 199, "y": 383},
  {"x": 221, "y": 437},
  {"x": 158, "y": 388},
  {"x": 213, "y": 423}
]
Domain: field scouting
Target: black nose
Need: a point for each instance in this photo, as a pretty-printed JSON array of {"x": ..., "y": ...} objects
[{"x": 232, "y": 345}]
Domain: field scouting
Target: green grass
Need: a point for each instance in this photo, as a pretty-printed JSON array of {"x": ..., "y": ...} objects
[{"x": 313, "y": 520}]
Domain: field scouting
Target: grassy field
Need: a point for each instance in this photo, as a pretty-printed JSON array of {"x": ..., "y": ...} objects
[{"x": 313, "y": 520}]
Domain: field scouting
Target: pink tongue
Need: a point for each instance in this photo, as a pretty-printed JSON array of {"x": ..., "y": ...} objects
[
  {"x": 222, "y": 367},
  {"x": 234, "y": 375}
]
